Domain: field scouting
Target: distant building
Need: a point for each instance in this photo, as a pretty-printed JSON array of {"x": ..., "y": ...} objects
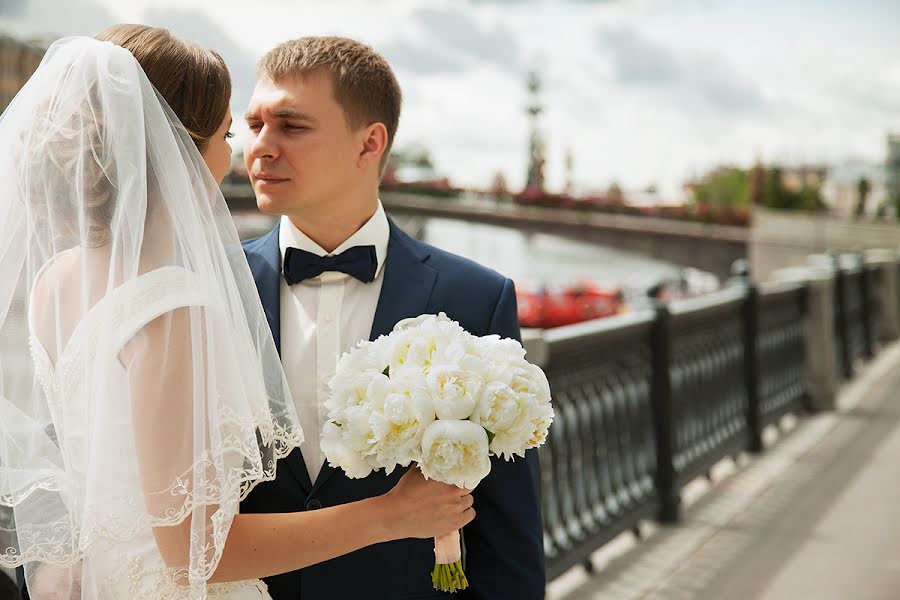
[
  {"x": 840, "y": 192},
  {"x": 18, "y": 60},
  {"x": 796, "y": 178}
]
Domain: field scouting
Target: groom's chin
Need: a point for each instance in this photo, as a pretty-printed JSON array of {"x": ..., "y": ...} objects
[{"x": 267, "y": 204}]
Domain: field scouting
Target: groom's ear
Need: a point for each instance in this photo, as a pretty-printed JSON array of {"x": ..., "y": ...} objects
[{"x": 374, "y": 145}]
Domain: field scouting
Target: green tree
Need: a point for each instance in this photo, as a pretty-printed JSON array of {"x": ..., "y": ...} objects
[
  {"x": 773, "y": 194},
  {"x": 727, "y": 187}
]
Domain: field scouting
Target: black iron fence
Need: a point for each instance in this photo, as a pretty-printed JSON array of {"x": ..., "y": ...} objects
[{"x": 650, "y": 400}]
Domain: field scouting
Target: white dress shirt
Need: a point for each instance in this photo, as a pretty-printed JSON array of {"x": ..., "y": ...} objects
[{"x": 321, "y": 318}]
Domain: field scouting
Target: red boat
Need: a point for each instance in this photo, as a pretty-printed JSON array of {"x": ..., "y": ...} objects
[{"x": 575, "y": 303}]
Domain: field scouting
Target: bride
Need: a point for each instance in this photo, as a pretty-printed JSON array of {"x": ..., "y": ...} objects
[{"x": 156, "y": 399}]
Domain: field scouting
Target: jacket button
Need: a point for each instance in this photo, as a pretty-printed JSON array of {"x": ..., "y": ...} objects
[{"x": 313, "y": 505}]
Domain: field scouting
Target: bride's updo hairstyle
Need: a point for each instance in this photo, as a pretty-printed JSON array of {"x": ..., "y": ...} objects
[{"x": 193, "y": 81}]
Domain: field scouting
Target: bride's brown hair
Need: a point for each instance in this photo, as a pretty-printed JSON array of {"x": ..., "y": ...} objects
[{"x": 192, "y": 79}]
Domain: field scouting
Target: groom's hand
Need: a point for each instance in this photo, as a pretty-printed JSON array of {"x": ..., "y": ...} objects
[{"x": 420, "y": 508}]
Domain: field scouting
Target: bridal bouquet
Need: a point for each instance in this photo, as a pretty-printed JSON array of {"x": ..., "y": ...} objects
[{"x": 434, "y": 394}]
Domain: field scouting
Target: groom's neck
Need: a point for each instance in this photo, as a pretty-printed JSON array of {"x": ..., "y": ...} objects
[{"x": 330, "y": 224}]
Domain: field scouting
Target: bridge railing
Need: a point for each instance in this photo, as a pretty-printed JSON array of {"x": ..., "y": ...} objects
[
  {"x": 599, "y": 463},
  {"x": 649, "y": 400}
]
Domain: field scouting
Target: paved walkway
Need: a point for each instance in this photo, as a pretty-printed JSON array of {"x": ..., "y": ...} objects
[{"x": 815, "y": 517}]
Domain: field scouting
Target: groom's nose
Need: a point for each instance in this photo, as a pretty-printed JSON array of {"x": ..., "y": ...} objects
[{"x": 262, "y": 145}]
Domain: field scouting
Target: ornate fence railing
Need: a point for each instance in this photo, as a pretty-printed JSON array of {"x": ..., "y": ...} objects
[{"x": 650, "y": 400}]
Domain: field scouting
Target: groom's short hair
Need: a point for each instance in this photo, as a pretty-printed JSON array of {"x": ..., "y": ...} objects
[{"x": 362, "y": 80}]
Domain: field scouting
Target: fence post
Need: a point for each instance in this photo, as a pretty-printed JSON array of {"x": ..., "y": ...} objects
[
  {"x": 842, "y": 329},
  {"x": 865, "y": 294},
  {"x": 535, "y": 347},
  {"x": 663, "y": 423},
  {"x": 740, "y": 271},
  {"x": 886, "y": 262},
  {"x": 821, "y": 369}
]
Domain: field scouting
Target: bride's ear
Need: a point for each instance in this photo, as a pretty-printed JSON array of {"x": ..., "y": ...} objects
[{"x": 374, "y": 145}]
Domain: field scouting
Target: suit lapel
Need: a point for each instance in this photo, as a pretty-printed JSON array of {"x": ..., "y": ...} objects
[
  {"x": 264, "y": 257},
  {"x": 408, "y": 283},
  {"x": 405, "y": 292}
]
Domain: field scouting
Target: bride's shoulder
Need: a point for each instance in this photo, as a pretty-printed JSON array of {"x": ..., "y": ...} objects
[
  {"x": 55, "y": 278},
  {"x": 58, "y": 271}
]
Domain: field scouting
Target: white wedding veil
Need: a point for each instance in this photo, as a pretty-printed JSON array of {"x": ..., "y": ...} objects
[{"x": 141, "y": 394}]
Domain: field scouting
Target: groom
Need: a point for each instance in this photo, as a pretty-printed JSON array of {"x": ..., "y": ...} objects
[{"x": 337, "y": 270}]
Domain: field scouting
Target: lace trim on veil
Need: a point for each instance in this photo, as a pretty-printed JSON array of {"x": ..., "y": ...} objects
[{"x": 65, "y": 542}]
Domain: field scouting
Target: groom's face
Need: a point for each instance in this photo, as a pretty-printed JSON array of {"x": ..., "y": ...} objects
[{"x": 301, "y": 154}]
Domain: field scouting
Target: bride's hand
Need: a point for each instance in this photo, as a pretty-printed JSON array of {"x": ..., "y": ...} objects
[{"x": 417, "y": 508}]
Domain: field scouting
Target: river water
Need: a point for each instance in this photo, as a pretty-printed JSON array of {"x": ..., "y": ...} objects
[{"x": 532, "y": 260}]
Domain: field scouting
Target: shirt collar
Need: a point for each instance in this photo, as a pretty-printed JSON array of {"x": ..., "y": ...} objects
[{"x": 375, "y": 232}]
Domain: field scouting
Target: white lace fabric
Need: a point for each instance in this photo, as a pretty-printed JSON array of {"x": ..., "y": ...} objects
[{"x": 154, "y": 399}]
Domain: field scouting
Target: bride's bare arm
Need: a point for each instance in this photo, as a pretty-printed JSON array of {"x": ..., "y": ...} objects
[
  {"x": 260, "y": 545},
  {"x": 167, "y": 390}
]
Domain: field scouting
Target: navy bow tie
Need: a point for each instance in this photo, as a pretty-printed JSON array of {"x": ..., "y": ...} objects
[{"x": 360, "y": 262}]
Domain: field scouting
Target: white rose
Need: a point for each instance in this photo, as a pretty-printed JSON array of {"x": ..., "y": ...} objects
[
  {"x": 453, "y": 391},
  {"x": 339, "y": 455},
  {"x": 508, "y": 416},
  {"x": 455, "y": 452}
]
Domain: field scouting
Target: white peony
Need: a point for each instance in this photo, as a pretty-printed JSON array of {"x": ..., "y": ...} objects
[
  {"x": 455, "y": 452},
  {"x": 532, "y": 381},
  {"x": 507, "y": 415},
  {"x": 354, "y": 373},
  {"x": 453, "y": 390},
  {"x": 415, "y": 322},
  {"x": 498, "y": 354},
  {"x": 398, "y": 427},
  {"x": 353, "y": 414},
  {"x": 421, "y": 341},
  {"x": 340, "y": 455}
]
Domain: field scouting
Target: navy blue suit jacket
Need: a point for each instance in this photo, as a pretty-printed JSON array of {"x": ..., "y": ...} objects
[{"x": 504, "y": 544}]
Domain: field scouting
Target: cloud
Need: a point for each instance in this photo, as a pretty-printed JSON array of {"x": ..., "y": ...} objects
[
  {"x": 637, "y": 60},
  {"x": 640, "y": 62},
  {"x": 421, "y": 59},
  {"x": 53, "y": 19},
  {"x": 12, "y": 8},
  {"x": 458, "y": 31},
  {"x": 521, "y": 2},
  {"x": 202, "y": 29},
  {"x": 451, "y": 41}
]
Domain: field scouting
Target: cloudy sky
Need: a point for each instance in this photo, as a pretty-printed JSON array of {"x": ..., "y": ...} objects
[{"x": 640, "y": 91}]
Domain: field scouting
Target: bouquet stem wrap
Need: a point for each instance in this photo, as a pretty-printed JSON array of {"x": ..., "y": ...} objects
[{"x": 448, "y": 573}]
